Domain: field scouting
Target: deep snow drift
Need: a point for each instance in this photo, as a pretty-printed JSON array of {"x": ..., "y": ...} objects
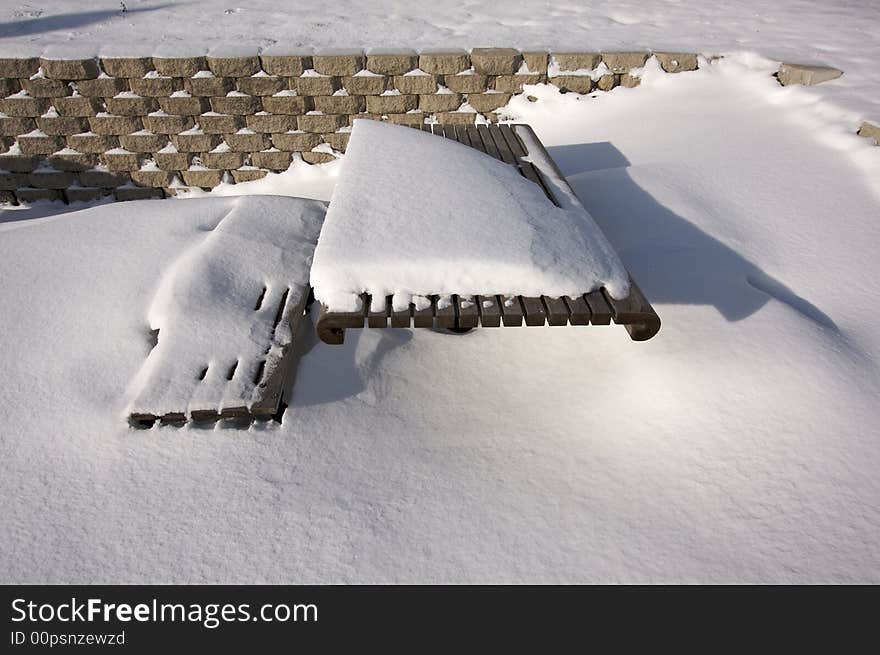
[
  {"x": 414, "y": 214},
  {"x": 738, "y": 445}
]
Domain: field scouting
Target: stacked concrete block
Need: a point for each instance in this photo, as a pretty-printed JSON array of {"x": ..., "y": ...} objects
[{"x": 147, "y": 126}]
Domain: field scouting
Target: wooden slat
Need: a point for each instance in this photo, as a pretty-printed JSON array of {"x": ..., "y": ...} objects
[
  {"x": 424, "y": 318},
  {"x": 448, "y": 131},
  {"x": 474, "y": 137},
  {"x": 490, "y": 314},
  {"x": 557, "y": 310},
  {"x": 601, "y": 312},
  {"x": 634, "y": 312},
  {"x": 379, "y": 312},
  {"x": 461, "y": 134},
  {"x": 468, "y": 314},
  {"x": 488, "y": 143},
  {"x": 579, "y": 310},
  {"x": 527, "y": 169},
  {"x": 424, "y": 127},
  {"x": 402, "y": 318},
  {"x": 445, "y": 316},
  {"x": 501, "y": 144},
  {"x": 534, "y": 311},
  {"x": 511, "y": 311}
]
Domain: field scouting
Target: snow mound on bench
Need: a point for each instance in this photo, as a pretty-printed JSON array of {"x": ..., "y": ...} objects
[{"x": 418, "y": 214}]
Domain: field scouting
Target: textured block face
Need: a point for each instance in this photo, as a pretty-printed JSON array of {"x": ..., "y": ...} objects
[
  {"x": 444, "y": 62},
  {"x": 233, "y": 66},
  {"x": 70, "y": 69},
  {"x": 315, "y": 86},
  {"x": 415, "y": 118},
  {"x": 39, "y": 145},
  {"x": 208, "y": 87},
  {"x": 84, "y": 194},
  {"x": 285, "y": 65},
  {"x": 35, "y": 195},
  {"x": 629, "y": 81},
  {"x": 457, "y": 117},
  {"x": 392, "y": 104},
  {"x": 19, "y": 163},
  {"x": 172, "y": 161},
  {"x": 440, "y": 102},
  {"x": 184, "y": 105},
  {"x": 206, "y": 179},
  {"x": 606, "y": 82},
  {"x": 870, "y": 131},
  {"x": 273, "y": 160},
  {"x": 103, "y": 87},
  {"x": 154, "y": 87},
  {"x": 92, "y": 143},
  {"x": 484, "y": 102},
  {"x": 271, "y": 123},
  {"x": 337, "y": 140},
  {"x": 43, "y": 87},
  {"x": 70, "y": 161},
  {"x": 338, "y": 65},
  {"x": 195, "y": 142},
  {"x": 293, "y": 105},
  {"x": 339, "y": 104},
  {"x": 222, "y": 160},
  {"x": 179, "y": 66},
  {"x": 115, "y": 125},
  {"x": 51, "y": 179},
  {"x": 248, "y": 174},
  {"x": 13, "y": 126},
  {"x": 392, "y": 64},
  {"x": 515, "y": 83},
  {"x": 62, "y": 125},
  {"x": 143, "y": 142},
  {"x": 536, "y": 61},
  {"x": 240, "y": 105},
  {"x": 365, "y": 85},
  {"x": 78, "y": 106},
  {"x": 263, "y": 85},
  {"x": 19, "y": 68},
  {"x": 299, "y": 142},
  {"x": 9, "y": 86},
  {"x": 320, "y": 123},
  {"x": 127, "y": 66},
  {"x": 167, "y": 124},
  {"x": 131, "y": 105},
  {"x": 677, "y": 62},
  {"x": 24, "y": 106},
  {"x": 12, "y": 181},
  {"x": 573, "y": 83},
  {"x": 496, "y": 61},
  {"x": 120, "y": 161},
  {"x": 317, "y": 157},
  {"x": 151, "y": 178},
  {"x": 247, "y": 142},
  {"x": 806, "y": 75},
  {"x": 574, "y": 61},
  {"x": 466, "y": 83},
  {"x": 622, "y": 62},
  {"x": 418, "y": 84},
  {"x": 220, "y": 123}
]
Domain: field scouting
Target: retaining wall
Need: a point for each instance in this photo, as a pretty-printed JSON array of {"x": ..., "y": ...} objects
[{"x": 149, "y": 126}]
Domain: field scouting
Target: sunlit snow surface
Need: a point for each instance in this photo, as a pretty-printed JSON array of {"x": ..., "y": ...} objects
[{"x": 738, "y": 445}]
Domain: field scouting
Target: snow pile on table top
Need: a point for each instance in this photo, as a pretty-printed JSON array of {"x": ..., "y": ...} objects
[
  {"x": 216, "y": 306},
  {"x": 740, "y": 446},
  {"x": 785, "y": 30},
  {"x": 414, "y": 214}
]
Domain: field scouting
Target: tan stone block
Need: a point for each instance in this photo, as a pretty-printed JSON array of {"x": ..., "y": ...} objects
[
  {"x": 271, "y": 123},
  {"x": 92, "y": 143},
  {"x": 320, "y": 122},
  {"x": 19, "y": 163},
  {"x": 261, "y": 85},
  {"x": 15, "y": 125},
  {"x": 12, "y": 181},
  {"x": 126, "y": 193},
  {"x": 78, "y": 106},
  {"x": 285, "y": 65},
  {"x": 339, "y": 104},
  {"x": 39, "y": 145},
  {"x": 43, "y": 87},
  {"x": 155, "y": 87},
  {"x": 172, "y": 161},
  {"x": 418, "y": 84},
  {"x": 415, "y": 118},
  {"x": 466, "y": 83},
  {"x": 103, "y": 87},
  {"x": 115, "y": 125},
  {"x": 367, "y": 117},
  {"x": 496, "y": 61},
  {"x": 233, "y": 66},
  {"x": 220, "y": 123},
  {"x": 208, "y": 87},
  {"x": 440, "y": 102},
  {"x": 120, "y": 160},
  {"x": 536, "y": 61},
  {"x": 62, "y": 125},
  {"x": 224, "y": 160},
  {"x": 19, "y": 67},
  {"x": 179, "y": 66},
  {"x": 315, "y": 86},
  {"x": 9, "y": 86},
  {"x": 70, "y": 69},
  {"x": 43, "y": 179},
  {"x": 143, "y": 141},
  {"x": 390, "y": 104},
  {"x": 392, "y": 63},
  {"x": 70, "y": 161},
  {"x": 677, "y": 62},
  {"x": 248, "y": 174},
  {"x": 168, "y": 124},
  {"x": 338, "y": 65},
  {"x": 152, "y": 178},
  {"x": 606, "y": 82},
  {"x": 245, "y": 142},
  {"x": 573, "y": 61},
  {"x": 184, "y": 105},
  {"x": 131, "y": 105},
  {"x": 629, "y": 81},
  {"x": 204, "y": 178},
  {"x": 292, "y": 105},
  {"x": 24, "y": 106},
  {"x": 127, "y": 66},
  {"x": 514, "y": 83},
  {"x": 446, "y": 62},
  {"x": 194, "y": 142},
  {"x": 622, "y": 62},
  {"x": 103, "y": 179},
  {"x": 236, "y": 104},
  {"x": 366, "y": 85},
  {"x": 28, "y": 195},
  {"x": 317, "y": 157},
  {"x": 337, "y": 140},
  {"x": 870, "y": 131},
  {"x": 296, "y": 142},
  {"x": 457, "y": 117},
  {"x": 83, "y": 194},
  {"x": 573, "y": 83},
  {"x": 806, "y": 75},
  {"x": 484, "y": 102},
  {"x": 275, "y": 160}
]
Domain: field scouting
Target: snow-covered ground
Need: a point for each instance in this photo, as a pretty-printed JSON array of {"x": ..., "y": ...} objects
[
  {"x": 842, "y": 34},
  {"x": 740, "y": 444}
]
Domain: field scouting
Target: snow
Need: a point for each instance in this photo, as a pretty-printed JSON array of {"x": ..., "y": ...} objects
[
  {"x": 739, "y": 445},
  {"x": 210, "y": 310},
  {"x": 403, "y": 222}
]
